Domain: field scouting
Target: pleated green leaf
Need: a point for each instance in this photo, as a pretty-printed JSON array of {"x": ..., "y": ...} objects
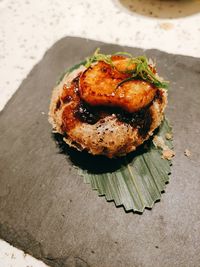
[{"x": 139, "y": 182}]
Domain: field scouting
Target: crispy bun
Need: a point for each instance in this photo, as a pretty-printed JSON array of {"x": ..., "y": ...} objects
[{"x": 101, "y": 130}]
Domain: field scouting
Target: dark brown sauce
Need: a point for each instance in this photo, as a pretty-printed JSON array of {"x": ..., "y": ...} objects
[
  {"x": 86, "y": 113},
  {"x": 91, "y": 115},
  {"x": 141, "y": 120}
]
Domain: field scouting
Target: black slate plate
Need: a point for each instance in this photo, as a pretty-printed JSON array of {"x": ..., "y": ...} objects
[{"x": 47, "y": 210}]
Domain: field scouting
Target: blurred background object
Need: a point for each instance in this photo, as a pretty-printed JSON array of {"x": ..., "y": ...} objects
[{"x": 162, "y": 8}]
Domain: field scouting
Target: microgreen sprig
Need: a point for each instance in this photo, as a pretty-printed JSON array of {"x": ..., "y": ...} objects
[
  {"x": 98, "y": 57},
  {"x": 141, "y": 70}
]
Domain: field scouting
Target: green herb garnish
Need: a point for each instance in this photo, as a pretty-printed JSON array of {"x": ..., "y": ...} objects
[
  {"x": 142, "y": 69},
  {"x": 98, "y": 57}
]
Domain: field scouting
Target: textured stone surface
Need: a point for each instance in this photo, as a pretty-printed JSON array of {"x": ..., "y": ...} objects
[{"x": 47, "y": 210}]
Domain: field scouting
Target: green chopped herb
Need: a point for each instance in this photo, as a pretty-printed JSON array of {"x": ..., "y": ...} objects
[
  {"x": 142, "y": 70},
  {"x": 98, "y": 57}
]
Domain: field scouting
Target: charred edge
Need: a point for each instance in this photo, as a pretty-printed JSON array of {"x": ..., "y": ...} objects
[
  {"x": 76, "y": 80},
  {"x": 58, "y": 104},
  {"x": 159, "y": 96},
  {"x": 66, "y": 99}
]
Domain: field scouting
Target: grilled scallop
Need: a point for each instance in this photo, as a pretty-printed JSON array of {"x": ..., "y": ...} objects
[
  {"x": 97, "y": 112},
  {"x": 99, "y": 87}
]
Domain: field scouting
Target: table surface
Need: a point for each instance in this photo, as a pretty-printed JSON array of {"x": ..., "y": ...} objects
[{"x": 28, "y": 29}]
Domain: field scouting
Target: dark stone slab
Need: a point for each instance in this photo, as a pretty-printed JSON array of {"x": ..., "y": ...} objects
[{"x": 47, "y": 210}]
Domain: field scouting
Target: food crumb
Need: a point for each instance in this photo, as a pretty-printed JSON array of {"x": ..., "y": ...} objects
[
  {"x": 166, "y": 26},
  {"x": 159, "y": 142},
  {"x": 187, "y": 153},
  {"x": 168, "y": 154},
  {"x": 168, "y": 136}
]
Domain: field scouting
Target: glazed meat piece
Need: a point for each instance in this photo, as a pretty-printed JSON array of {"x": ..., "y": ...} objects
[{"x": 99, "y": 87}]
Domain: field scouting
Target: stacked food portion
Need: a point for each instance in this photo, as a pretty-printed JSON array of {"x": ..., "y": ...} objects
[{"x": 109, "y": 105}]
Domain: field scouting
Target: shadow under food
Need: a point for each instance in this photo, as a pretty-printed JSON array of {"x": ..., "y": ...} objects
[
  {"x": 95, "y": 164},
  {"x": 162, "y": 8}
]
